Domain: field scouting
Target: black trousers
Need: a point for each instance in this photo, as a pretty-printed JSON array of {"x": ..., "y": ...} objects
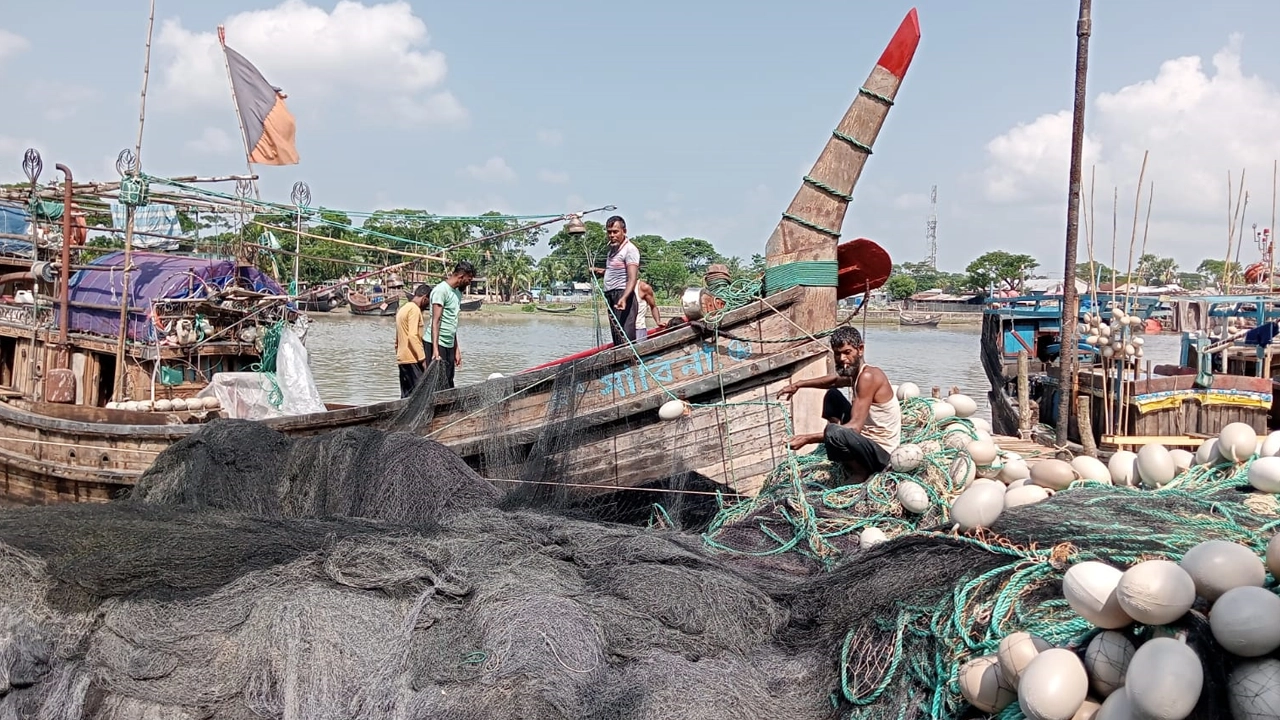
[
  {"x": 622, "y": 323},
  {"x": 410, "y": 374},
  {"x": 845, "y": 444},
  {"x": 448, "y": 358}
]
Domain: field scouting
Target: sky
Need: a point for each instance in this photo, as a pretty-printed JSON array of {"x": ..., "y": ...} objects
[{"x": 694, "y": 118}]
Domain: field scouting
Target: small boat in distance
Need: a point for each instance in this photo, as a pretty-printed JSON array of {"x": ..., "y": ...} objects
[
  {"x": 919, "y": 320},
  {"x": 471, "y": 305},
  {"x": 375, "y": 302},
  {"x": 560, "y": 309}
]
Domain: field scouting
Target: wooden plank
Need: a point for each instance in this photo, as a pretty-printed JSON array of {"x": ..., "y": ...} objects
[{"x": 1177, "y": 440}]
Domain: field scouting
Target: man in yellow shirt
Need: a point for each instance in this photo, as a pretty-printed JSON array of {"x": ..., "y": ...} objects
[{"x": 409, "y": 351}]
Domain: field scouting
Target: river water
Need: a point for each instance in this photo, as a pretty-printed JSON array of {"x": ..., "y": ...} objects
[{"x": 353, "y": 357}]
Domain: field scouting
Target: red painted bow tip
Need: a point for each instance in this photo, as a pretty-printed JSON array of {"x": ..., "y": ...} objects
[{"x": 902, "y": 48}]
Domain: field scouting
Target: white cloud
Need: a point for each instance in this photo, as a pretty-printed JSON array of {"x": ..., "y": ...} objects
[
  {"x": 1198, "y": 123},
  {"x": 11, "y": 44},
  {"x": 62, "y": 101},
  {"x": 550, "y": 138},
  {"x": 367, "y": 56},
  {"x": 552, "y": 177},
  {"x": 213, "y": 141},
  {"x": 911, "y": 201},
  {"x": 493, "y": 170}
]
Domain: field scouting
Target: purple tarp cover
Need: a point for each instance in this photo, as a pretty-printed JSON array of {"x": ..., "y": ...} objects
[{"x": 156, "y": 276}]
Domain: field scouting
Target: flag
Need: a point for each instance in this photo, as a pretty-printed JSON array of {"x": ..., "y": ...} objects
[{"x": 268, "y": 125}]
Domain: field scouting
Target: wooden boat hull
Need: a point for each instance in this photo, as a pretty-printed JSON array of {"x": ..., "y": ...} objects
[
  {"x": 557, "y": 310},
  {"x": 471, "y": 305},
  {"x": 606, "y": 402},
  {"x": 919, "y": 320},
  {"x": 382, "y": 309}
]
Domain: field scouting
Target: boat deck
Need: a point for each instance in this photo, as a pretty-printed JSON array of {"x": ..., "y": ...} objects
[{"x": 1031, "y": 451}]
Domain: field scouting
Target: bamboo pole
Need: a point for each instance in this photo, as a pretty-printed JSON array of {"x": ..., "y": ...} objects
[
  {"x": 1070, "y": 302},
  {"x": 244, "y": 138},
  {"x": 119, "y": 389},
  {"x": 1024, "y": 394},
  {"x": 1084, "y": 419},
  {"x": 1271, "y": 232},
  {"x": 352, "y": 243}
]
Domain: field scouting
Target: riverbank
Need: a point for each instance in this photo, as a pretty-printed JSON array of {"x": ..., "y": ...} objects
[{"x": 879, "y": 317}]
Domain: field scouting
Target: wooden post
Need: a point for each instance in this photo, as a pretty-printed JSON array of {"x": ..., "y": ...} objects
[
  {"x": 1024, "y": 394},
  {"x": 937, "y": 392},
  {"x": 1070, "y": 307},
  {"x": 1084, "y": 419}
]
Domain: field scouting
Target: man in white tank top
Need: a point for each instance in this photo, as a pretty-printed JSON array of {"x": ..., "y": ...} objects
[
  {"x": 645, "y": 300},
  {"x": 859, "y": 435}
]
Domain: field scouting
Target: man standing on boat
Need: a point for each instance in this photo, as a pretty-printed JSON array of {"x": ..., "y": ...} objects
[
  {"x": 621, "y": 273},
  {"x": 645, "y": 299},
  {"x": 410, "y": 354},
  {"x": 859, "y": 435},
  {"x": 446, "y": 302}
]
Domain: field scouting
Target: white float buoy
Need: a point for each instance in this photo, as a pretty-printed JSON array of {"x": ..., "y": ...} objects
[
  {"x": 1123, "y": 467},
  {"x": 1217, "y": 566},
  {"x": 1088, "y": 710},
  {"x": 942, "y": 410},
  {"x": 1182, "y": 460},
  {"x": 1156, "y": 592},
  {"x": 963, "y": 404},
  {"x": 112, "y": 405},
  {"x": 1116, "y": 707},
  {"x": 908, "y": 390},
  {"x": 963, "y": 470},
  {"x": 1091, "y": 468},
  {"x": 1237, "y": 442},
  {"x": 1253, "y": 690},
  {"x": 1013, "y": 471},
  {"x": 1264, "y": 474},
  {"x": 983, "y": 452},
  {"x": 494, "y": 376},
  {"x": 673, "y": 409},
  {"x": 163, "y": 405},
  {"x": 1271, "y": 444},
  {"x": 983, "y": 686},
  {"x": 914, "y": 497},
  {"x": 978, "y": 506},
  {"x": 1090, "y": 589},
  {"x": 981, "y": 424},
  {"x": 1155, "y": 466},
  {"x": 1024, "y": 495},
  {"x": 1273, "y": 555},
  {"x": 1207, "y": 453},
  {"x": 872, "y": 536},
  {"x": 1164, "y": 680},
  {"x": 1246, "y": 621},
  {"x": 906, "y": 458},
  {"x": 1107, "y": 660},
  {"x": 1015, "y": 652},
  {"x": 1053, "y": 474},
  {"x": 211, "y": 403},
  {"x": 1053, "y": 686}
]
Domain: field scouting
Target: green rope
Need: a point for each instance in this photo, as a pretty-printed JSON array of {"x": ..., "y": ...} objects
[
  {"x": 809, "y": 273},
  {"x": 876, "y": 96},
  {"x": 828, "y": 189},
  {"x": 266, "y": 364},
  {"x": 849, "y": 139},
  {"x": 811, "y": 225}
]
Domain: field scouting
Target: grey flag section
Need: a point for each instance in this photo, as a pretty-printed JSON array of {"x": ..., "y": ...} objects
[{"x": 255, "y": 97}]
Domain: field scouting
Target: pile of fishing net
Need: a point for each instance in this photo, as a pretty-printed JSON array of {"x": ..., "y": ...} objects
[
  {"x": 808, "y": 516},
  {"x": 253, "y": 576}
]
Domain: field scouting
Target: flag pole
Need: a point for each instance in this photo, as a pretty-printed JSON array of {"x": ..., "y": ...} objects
[
  {"x": 244, "y": 139},
  {"x": 134, "y": 167}
]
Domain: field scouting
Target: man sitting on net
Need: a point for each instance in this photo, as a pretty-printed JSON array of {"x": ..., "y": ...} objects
[{"x": 860, "y": 435}]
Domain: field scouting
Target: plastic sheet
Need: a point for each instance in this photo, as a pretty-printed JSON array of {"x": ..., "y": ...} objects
[{"x": 249, "y": 395}]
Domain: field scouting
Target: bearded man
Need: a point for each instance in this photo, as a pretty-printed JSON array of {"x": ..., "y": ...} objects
[{"x": 859, "y": 435}]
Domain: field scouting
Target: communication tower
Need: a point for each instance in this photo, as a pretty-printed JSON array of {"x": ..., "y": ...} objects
[{"x": 931, "y": 229}]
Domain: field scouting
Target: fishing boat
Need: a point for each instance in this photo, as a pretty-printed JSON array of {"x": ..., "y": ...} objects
[
  {"x": 592, "y": 417},
  {"x": 471, "y": 305},
  {"x": 1220, "y": 378},
  {"x": 318, "y": 300},
  {"x": 375, "y": 302},
  {"x": 561, "y": 309},
  {"x": 918, "y": 320}
]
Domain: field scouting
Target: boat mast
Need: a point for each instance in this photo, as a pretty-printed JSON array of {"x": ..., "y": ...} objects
[
  {"x": 132, "y": 166},
  {"x": 1070, "y": 301}
]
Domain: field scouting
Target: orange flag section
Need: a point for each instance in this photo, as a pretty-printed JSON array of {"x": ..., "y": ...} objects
[{"x": 277, "y": 145}]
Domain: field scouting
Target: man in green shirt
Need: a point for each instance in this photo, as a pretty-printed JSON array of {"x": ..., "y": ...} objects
[{"x": 446, "y": 302}]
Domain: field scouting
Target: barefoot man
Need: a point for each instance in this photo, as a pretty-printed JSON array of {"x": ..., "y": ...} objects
[{"x": 860, "y": 435}]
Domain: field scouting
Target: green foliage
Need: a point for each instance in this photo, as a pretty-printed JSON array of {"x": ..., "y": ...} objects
[
  {"x": 1216, "y": 271},
  {"x": 900, "y": 287},
  {"x": 1155, "y": 270},
  {"x": 1000, "y": 270},
  {"x": 927, "y": 278}
]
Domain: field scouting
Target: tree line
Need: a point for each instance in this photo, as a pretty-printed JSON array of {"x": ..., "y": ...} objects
[{"x": 999, "y": 270}]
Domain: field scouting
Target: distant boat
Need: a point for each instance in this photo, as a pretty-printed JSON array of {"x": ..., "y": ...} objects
[
  {"x": 471, "y": 305},
  {"x": 377, "y": 304},
  {"x": 905, "y": 318},
  {"x": 560, "y": 309}
]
